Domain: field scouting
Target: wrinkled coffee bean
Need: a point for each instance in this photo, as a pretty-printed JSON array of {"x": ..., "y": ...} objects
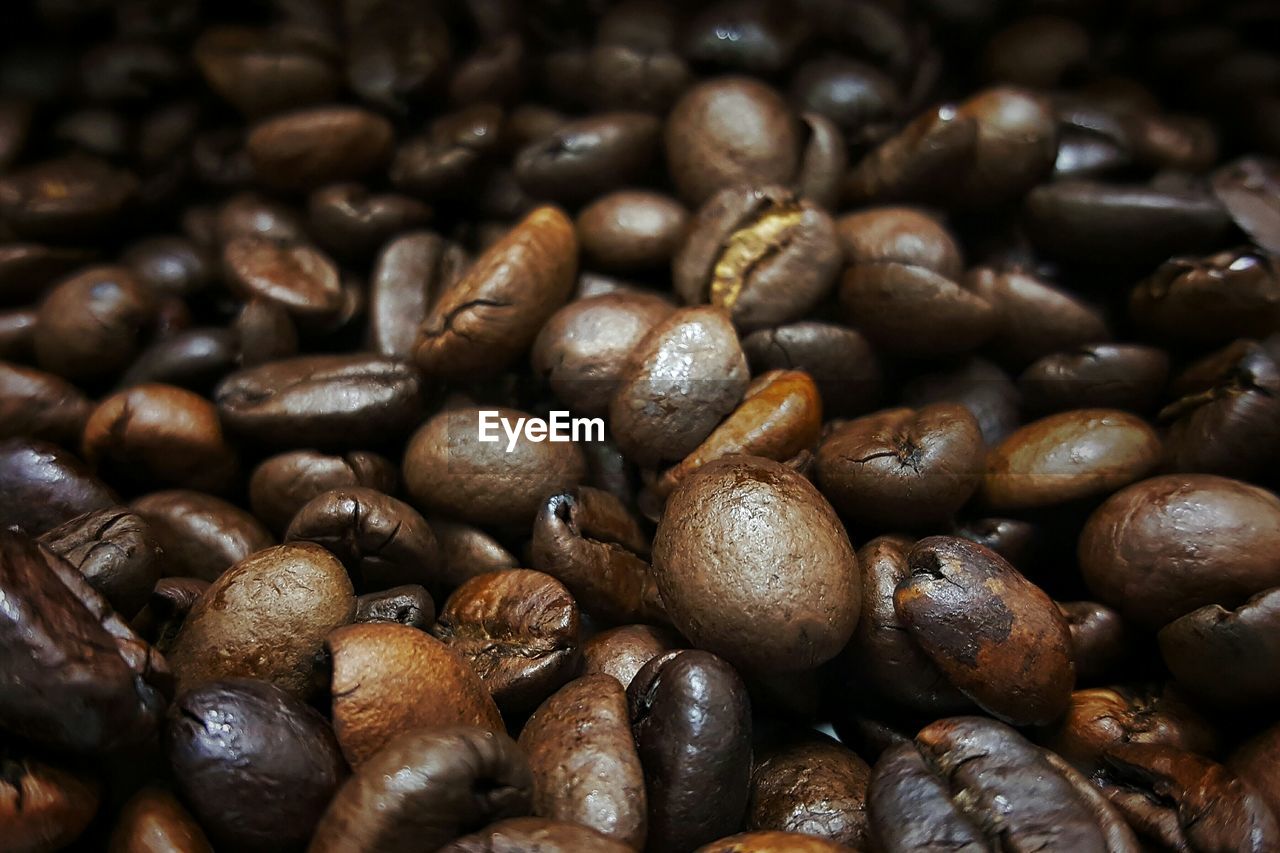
[
  {"x": 409, "y": 605},
  {"x": 1096, "y": 376},
  {"x": 257, "y": 766},
  {"x": 518, "y": 629},
  {"x": 814, "y": 787},
  {"x": 691, "y": 719},
  {"x": 1241, "y": 647},
  {"x": 424, "y": 789},
  {"x": 115, "y": 552},
  {"x": 411, "y": 273}
]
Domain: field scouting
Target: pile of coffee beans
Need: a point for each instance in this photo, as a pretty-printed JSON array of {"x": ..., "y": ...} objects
[{"x": 545, "y": 426}]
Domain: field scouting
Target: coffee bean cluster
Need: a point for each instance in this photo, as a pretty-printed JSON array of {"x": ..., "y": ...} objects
[{"x": 935, "y": 346}]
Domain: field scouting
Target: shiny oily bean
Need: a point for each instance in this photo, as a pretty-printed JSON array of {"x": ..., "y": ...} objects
[
  {"x": 588, "y": 540},
  {"x": 691, "y": 720},
  {"x": 194, "y": 359},
  {"x": 494, "y": 311},
  {"x": 780, "y": 416},
  {"x": 352, "y": 222},
  {"x": 44, "y": 806},
  {"x": 587, "y": 157},
  {"x": 621, "y": 652},
  {"x": 295, "y": 276},
  {"x": 1099, "y": 637},
  {"x": 902, "y": 468},
  {"x": 281, "y": 485},
  {"x": 166, "y": 609},
  {"x": 535, "y": 835},
  {"x": 39, "y": 405},
  {"x": 815, "y": 787},
  {"x": 381, "y": 541},
  {"x": 115, "y": 552},
  {"x": 1184, "y": 541},
  {"x": 448, "y": 470},
  {"x": 717, "y": 554},
  {"x": 1070, "y": 456},
  {"x": 994, "y": 634},
  {"x": 45, "y": 486},
  {"x": 1214, "y": 299},
  {"x": 322, "y": 400},
  {"x": 762, "y": 254},
  {"x": 266, "y": 617},
  {"x": 1101, "y": 718},
  {"x": 679, "y": 381},
  {"x": 390, "y": 679},
  {"x": 411, "y": 273},
  {"x": 631, "y": 230},
  {"x": 409, "y": 605},
  {"x": 201, "y": 535},
  {"x": 153, "y": 821},
  {"x": 160, "y": 435},
  {"x": 1227, "y": 657},
  {"x": 309, "y": 148},
  {"x": 519, "y": 630},
  {"x": 68, "y": 198},
  {"x": 424, "y": 789},
  {"x": 1096, "y": 376},
  {"x": 256, "y": 764},
  {"x": 76, "y": 678},
  {"x": 583, "y": 348},
  {"x": 976, "y": 783},
  {"x": 91, "y": 325},
  {"x": 585, "y": 766}
]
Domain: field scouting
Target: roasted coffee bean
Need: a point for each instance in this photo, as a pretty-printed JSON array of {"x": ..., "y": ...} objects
[
  {"x": 1069, "y": 456},
  {"x": 1034, "y": 317},
  {"x": 519, "y": 630},
  {"x": 535, "y": 835},
  {"x": 256, "y": 764},
  {"x": 154, "y": 820},
  {"x": 261, "y": 71},
  {"x": 1227, "y": 416},
  {"x": 454, "y": 154},
  {"x": 814, "y": 787},
  {"x": 17, "y": 335},
  {"x": 1184, "y": 540},
  {"x": 1227, "y": 656},
  {"x": 978, "y": 385},
  {"x": 748, "y": 36},
  {"x": 390, "y": 679},
  {"x": 621, "y": 652},
  {"x": 449, "y": 470},
  {"x": 1101, "y": 718},
  {"x": 1096, "y": 376},
  {"x": 294, "y": 276},
  {"x": 902, "y": 468},
  {"x": 248, "y": 214},
  {"x": 114, "y": 550},
  {"x": 585, "y": 158},
  {"x": 1180, "y": 800},
  {"x": 1246, "y": 188},
  {"x": 494, "y": 311},
  {"x": 26, "y": 269},
  {"x": 266, "y": 617},
  {"x": 397, "y": 53},
  {"x": 994, "y": 634},
  {"x": 726, "y": 532},
  {"x": 170, "y": 601},
  {"x": 1099, "y": 639},
  {"x": 1255, "y": 762},
  {"x": 45, "y": 486},
  {"x": 837, "y": 358},
  {"x": 352, "y": 222},
  {"x": 91, "y": 325},
  {"x": 1110, "y": 223},
  {"x": 39, "y": 405},
  {"x": 44, "y": 806},
  {"x": 679, "y": 381},
  {"x": 691, "y": 719},
  {"x": 467, "y": 551},
  {"x": 75, "y": 676},
  {"x": 411, "y": 273},
  {"x": 728, "y": 131},
  {"x": 972, "y": 782},
  {"x": 857, "y": 96},
  {"x": 424, "y": 789},
  {"x": 266, "y": 332},
  {"x": 882, "y": 654},
  {"x": 307, "y": 149},
  {"x": 636, "y": 64},
  {"x": 70, "y": 198},
  {"x": 405, "y": 605},
  {"x": 770, "y": 841},
  {"x": 322, "y": 400},
  {"x": 762, "y": 254},
  {"x": 780, "y": 417},
  {"x": 194, "y": 359},
  {"x": 583, "y": 348},
  {"x": 631, "y": 230},
  {"x": 382, "y": 542},
  {"x": 1215, "y": 299},
  {"x": 201, "y": 535},
  {"x": 160, "y": 434},
  {"x": 1037, "y": 51},
  {"x": 281, "y": 485},
  {"x": 170, "y": 265},
  {"x": 584, "y": 762}
]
